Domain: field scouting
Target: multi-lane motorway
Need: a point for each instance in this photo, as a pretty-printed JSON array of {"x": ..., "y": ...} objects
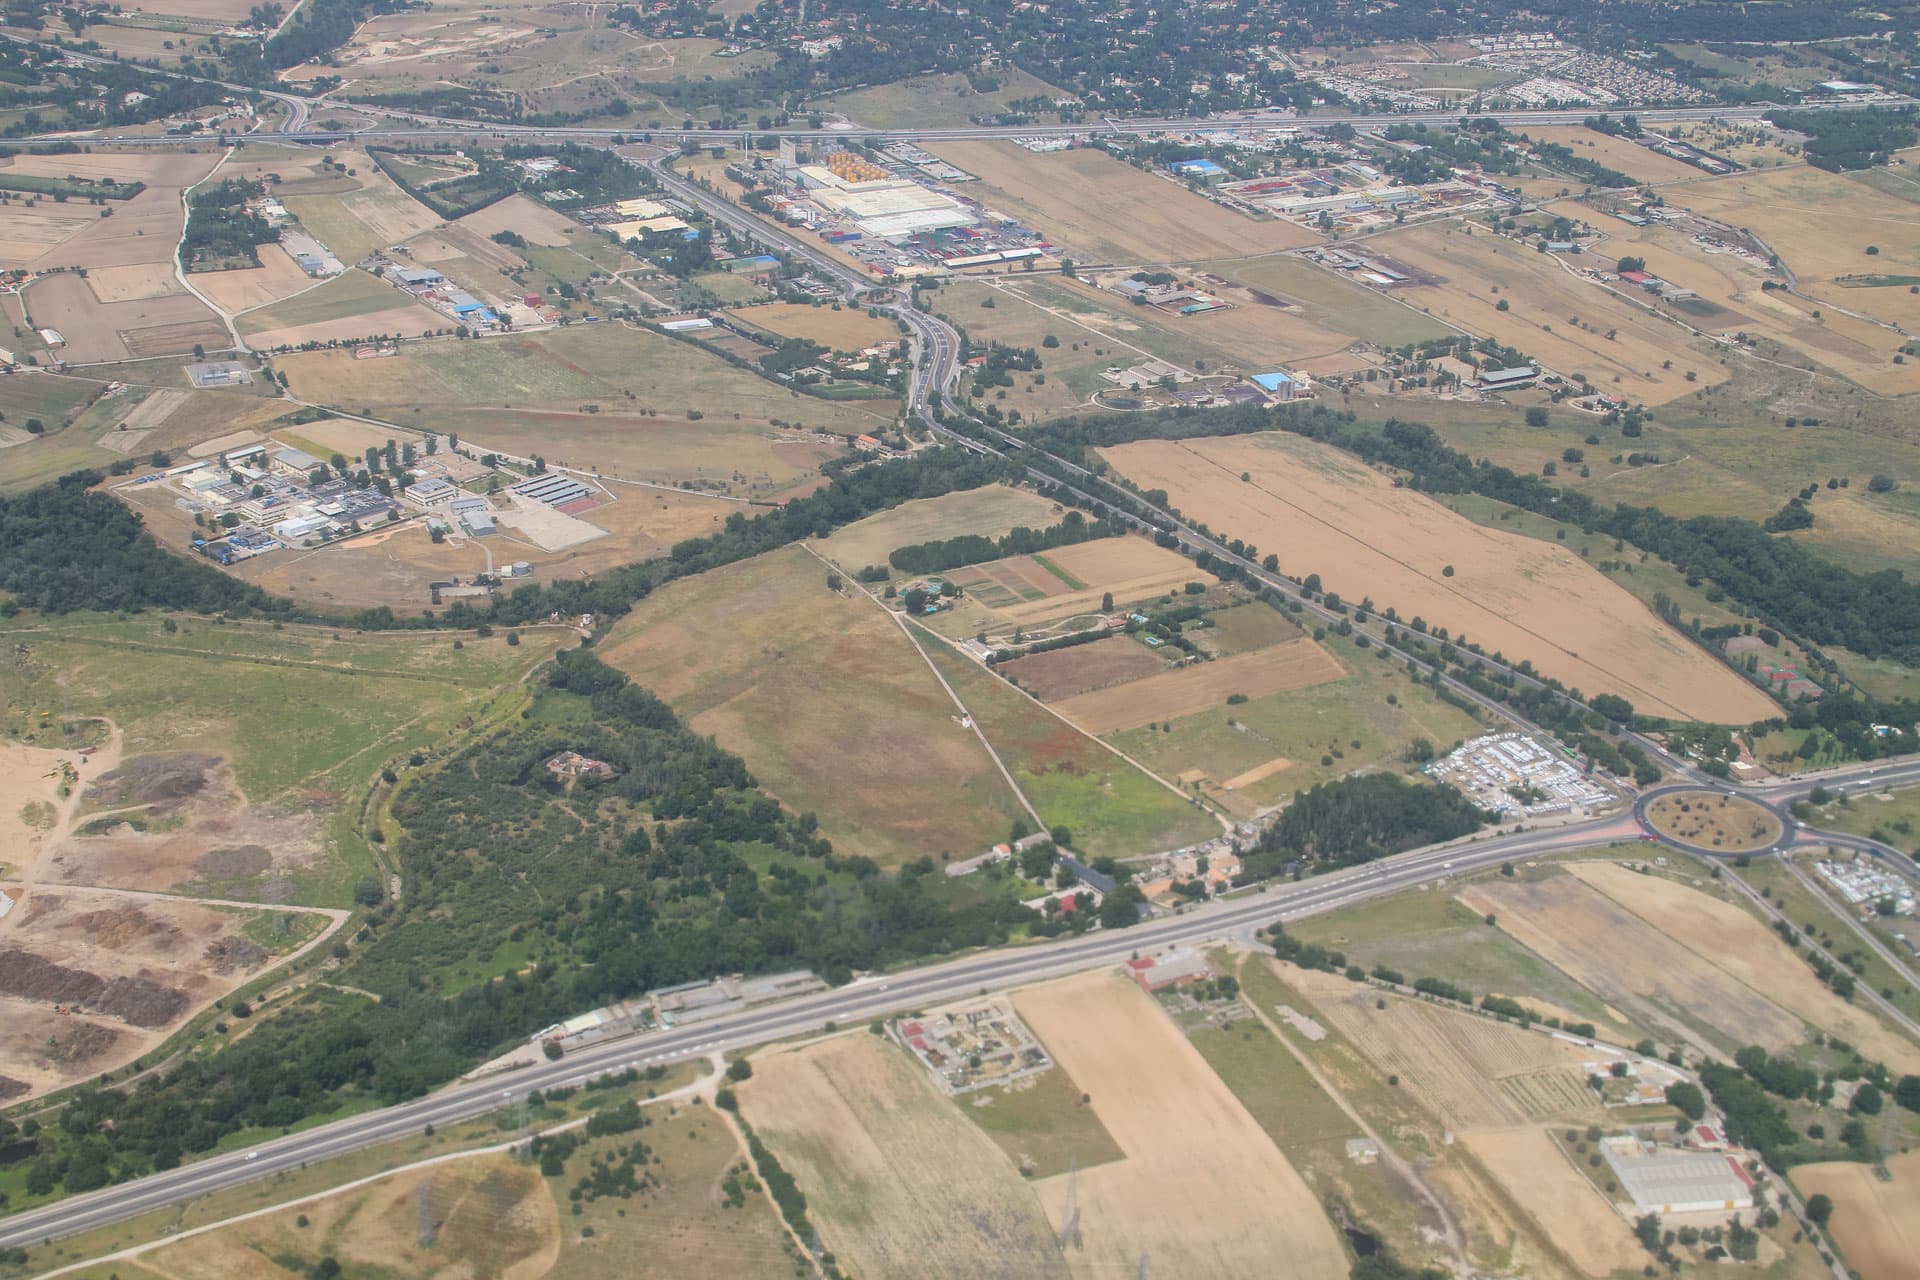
[
  {"x": 934, "y": 371},
  {"x": 876, "y": 996}
]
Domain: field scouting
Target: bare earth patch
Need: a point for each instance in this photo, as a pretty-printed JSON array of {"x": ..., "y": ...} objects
[{"x": 1202, "y": 1189}]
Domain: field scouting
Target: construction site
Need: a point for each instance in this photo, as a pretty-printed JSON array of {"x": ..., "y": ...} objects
[{"x": 974, "y": 1046}]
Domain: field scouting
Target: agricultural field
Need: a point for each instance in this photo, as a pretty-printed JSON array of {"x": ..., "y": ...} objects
[
  {"x": 885, "y": 1160},
  {"x": 1202, "y": 1189},
  {"x": 249, "y": 288},
  {"x": 1623, "y": 154},
  {"x": 1731, "y": 300},
  {"x": 1876, "y": 1223},
  {"x": 1043, "y": 591},
  {"x": 1689, "y": 967},
  {"x": 132, "y": 423},
  {"x": 104, "y": 332},
  {"x": 1552, "y": 315},
  {"x": 991, "y": 512},
  {"x": 735, "y": 458},
  {"x": 1109, "y": 805},
  {"x": 1558, "y": 1197},
  {"x": 839, "y": 328},
  {"x": 349, "y": 306},
  {"x": 376, "y": 214},
  {"x": 1090, "y": 202},
  {"x": 530, "y": 220},
  {"x": 1439, "y": 935},
  {"x": 1513, "y": 595},
  {"x": 1247, "y": 758},
  {"x": 1470, "y": 1071},
  {"x": 1332, "y": 301},
  {"x": 831, "y": 706},
  {"x": 1172, "y": 695},
  {"x": 1251, "y": 335},
  {"x": 935, "y": 101},
  {"x": 141, "y": 231},
  {"x": 1821, "y": 225},
  {"x": 451, "y": 385}
]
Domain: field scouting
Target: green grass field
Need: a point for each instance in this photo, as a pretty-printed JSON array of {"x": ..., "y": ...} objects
[
  {"x": 1333, "y": 302},
  {"x": 452, "y": 385},
  {"x": 831, "y": 706},
  {"x": 1108, "y": 806},
  {"x": 303, "y": 717},
  {"x": 922, "y": 102},
  {"x": 1315, "y": 729},
  {"x": 1043, "y": 1123},
  {"x": 1429, "y": 934},
  {"x": 353, "y": 294}
]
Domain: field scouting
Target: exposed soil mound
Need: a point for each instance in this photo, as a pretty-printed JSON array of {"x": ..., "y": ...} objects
[
  {"x": 33, "y": 977},
  {"x": 234, "y": 862},
  {"x": 233, "y": 955},
  {"x": 81, "y": 1043},
  {"x": 142, "y": 1002},
  {"x": 139, "y": 1001},
  {"x": 117, "y": 928},
  {"x": 162, "y": 781}
]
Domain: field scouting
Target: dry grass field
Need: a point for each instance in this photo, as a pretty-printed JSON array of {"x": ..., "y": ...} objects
[
  {"x": 355, "y": 223},
  {"x": 1710, "y": 821},
  {"x": 495, "y": 1219},
  {"x": 1553, "y": 316},
  {"x": 898, "y": 1181},
  {"x": 1875, "y": 1223},
  {"x": 740, "y": 459},
  {"x": 142, "y": 230},
  {"x": 1202, "y": 1190},
  {"x": 1557, "y": 1197},
  {"x": 991, "y": 512},
  {"x": 1471, "y": 1072},
  {"x": 1060, "y": 586},
  {"x": 1293, "y": 664},
  {"x": 1635, "y": 161},
  {"x": 99, "y": 333},
  {"x": 1851, "y": 347},
  {"x": 1083, "y": 668},
  {"x": 1087, "y": 201},
  {"x": 1330, "y": 514},
  {"x": 453, "y": 385},
  {"x": 1821, "y": 225},
  {"x": 533, "y": 221},
  {"x": 127, "y": 284},
  {"x": 831, "y": 706},
  {"x": 275, "y": 278},
  {"x": 841, "y": 328},
  {"x": 1677, "y": 961},
  {"x": 1743, "y": 947}
]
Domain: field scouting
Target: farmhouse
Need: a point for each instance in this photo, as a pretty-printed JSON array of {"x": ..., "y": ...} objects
[
  {"x": 1173, "y": 969},
  {"x": 1507, "y": 379},
  {"x": 1670, "y": 1180}
]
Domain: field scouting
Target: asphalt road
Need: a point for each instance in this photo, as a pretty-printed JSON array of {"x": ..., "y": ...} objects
[{"x": 861, "y": 1001}]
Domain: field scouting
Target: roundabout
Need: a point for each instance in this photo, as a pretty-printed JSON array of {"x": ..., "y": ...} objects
[{"x": 1713, "y": 823}]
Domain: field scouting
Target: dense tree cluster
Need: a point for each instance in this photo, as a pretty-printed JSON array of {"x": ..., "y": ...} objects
[
  {"x": 676, "y": 869},
  {"x": 971, "y": 548},
  {"x": 1357, "y": 819},
  {"x": 1841, "y": 140},
  {"x": 221, "y": 231},
  {"x": 63, "y": 548}
]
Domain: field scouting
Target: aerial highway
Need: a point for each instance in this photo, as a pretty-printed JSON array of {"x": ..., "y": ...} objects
[{"x": 857, "y": 1002}]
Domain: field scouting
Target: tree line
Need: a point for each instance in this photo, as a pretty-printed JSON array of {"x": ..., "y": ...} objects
[{"x": 971, "y": 548}]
